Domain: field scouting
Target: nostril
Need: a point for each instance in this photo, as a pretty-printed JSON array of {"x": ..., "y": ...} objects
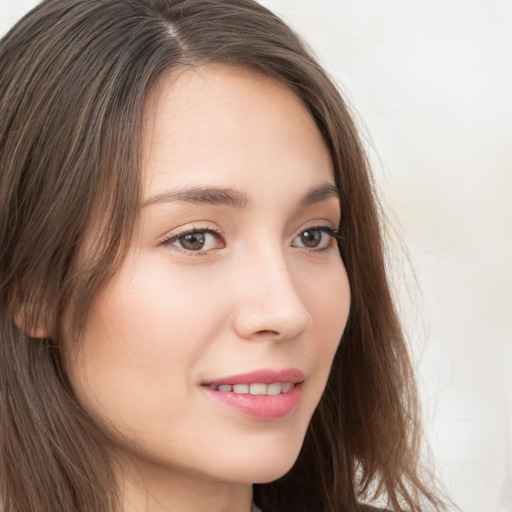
[{"x": 267, "y": 332}]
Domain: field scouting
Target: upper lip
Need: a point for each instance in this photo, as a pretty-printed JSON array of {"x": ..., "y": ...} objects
[{"x": 264, "y": 376}]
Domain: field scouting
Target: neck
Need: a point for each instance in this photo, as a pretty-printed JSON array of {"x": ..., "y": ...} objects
[{"x": 159, "y": 490}]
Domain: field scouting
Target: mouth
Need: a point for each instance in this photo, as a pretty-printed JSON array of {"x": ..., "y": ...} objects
[
  {"x": 256, "y": 388},
  {"x": 263, "y": 395}
]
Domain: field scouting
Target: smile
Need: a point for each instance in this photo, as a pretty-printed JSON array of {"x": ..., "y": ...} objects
[
  {"x": 263, "y": 394},
  {"x": 276, "y": 388}
]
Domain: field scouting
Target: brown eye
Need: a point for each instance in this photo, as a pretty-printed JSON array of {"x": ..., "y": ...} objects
[
  {"x": 192, "y": 241},
  {"x": 311, "y": 238},
  {"x": 196, "y": 240},
  {"x": 315, "y": 238}
]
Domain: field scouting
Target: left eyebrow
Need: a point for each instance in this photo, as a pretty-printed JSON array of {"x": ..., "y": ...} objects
[
  {"x": 319, "y": 194},
  {"x": 235, "y": 198}
]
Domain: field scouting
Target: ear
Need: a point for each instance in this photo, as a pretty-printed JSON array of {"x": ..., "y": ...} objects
[
  {"x": 33, "y": 330},
  {"x": 38, "y": 333}
]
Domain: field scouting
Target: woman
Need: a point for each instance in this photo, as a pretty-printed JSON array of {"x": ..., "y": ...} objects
[{"x": 194, "y": 297}]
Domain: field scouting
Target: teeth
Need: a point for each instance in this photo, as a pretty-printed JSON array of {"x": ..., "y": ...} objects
[
  {"x": 276, "y": 388},
  {"x": 242, "y": 389},
  {"x": 287, "y": 386},
  {"x": 258, "y": 389}
]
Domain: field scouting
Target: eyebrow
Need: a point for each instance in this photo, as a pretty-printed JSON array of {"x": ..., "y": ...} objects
[
  {"x": 202, "y": 195},
  {"x": 235, "y": 198},
  {"x": 319, "y": 194}
]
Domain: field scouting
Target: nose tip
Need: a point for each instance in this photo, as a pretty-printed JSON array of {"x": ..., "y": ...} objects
[
  {"x": 276, "y": 323},
  {"x": 271, "y": 308}
]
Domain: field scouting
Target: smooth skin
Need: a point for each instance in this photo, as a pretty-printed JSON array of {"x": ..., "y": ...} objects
[{"x": 242, "y": 277}]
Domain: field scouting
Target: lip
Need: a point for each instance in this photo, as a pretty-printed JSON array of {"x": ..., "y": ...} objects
[{"x": 261, "y": 407}]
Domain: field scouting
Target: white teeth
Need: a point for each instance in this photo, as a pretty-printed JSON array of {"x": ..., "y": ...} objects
[
  {"x": 258, "y": 389},
  {"x": 287, "y": 386},
  {"x": 276, "y": 388},
  {"x": 241, "y": 389}
]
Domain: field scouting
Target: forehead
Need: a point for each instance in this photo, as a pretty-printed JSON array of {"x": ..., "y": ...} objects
[{"x": 220, "y": 125}]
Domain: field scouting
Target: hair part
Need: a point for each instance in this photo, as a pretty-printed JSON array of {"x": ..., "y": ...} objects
[{"x": 74, "y": 78}]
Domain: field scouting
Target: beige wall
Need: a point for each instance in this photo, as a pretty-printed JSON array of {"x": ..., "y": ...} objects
[{"x": 432, "y": 81}]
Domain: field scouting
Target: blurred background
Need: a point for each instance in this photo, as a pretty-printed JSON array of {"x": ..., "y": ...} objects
[{"x": 431, "y": 84}]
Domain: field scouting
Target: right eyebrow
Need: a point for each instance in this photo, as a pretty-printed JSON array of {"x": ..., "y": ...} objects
[{"x": 202, "y": 195}]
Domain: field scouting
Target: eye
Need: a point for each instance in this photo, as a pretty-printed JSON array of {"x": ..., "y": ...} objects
[
  {"x": 316, "y": 238},
  {"x": 196, "y": 240}
]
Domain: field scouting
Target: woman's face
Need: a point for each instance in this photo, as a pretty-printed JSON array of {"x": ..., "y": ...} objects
[{"x": 208, "y": 352}]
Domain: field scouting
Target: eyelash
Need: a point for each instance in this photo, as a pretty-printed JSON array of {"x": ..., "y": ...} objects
[{"x": 331, "y": 232}]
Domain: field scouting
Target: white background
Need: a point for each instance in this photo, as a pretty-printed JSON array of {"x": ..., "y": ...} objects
[{"x": 432, "y": 84}]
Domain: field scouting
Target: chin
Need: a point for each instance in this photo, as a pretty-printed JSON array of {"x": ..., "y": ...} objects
[
  {"x": 271, "y": 475},
  {"x": 265, "y": 466}
]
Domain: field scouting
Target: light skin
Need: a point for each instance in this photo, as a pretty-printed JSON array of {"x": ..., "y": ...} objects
[{"x": 241, "y": 277}]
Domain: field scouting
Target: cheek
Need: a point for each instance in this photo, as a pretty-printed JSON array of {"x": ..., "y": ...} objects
[
  {"x": 143, "y": 337},
  {"x": 330, "y": 306}
]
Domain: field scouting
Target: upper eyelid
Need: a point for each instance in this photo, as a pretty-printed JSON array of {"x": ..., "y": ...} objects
[
  {"x": 334, "y": 232},
  {"x": 178, "y": 232},
  {"x": 192, "y": 228},
  {"x": 183, "y": 231}
]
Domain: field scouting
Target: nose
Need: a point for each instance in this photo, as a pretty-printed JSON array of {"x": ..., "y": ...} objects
[{"x": 268, "y": 305}]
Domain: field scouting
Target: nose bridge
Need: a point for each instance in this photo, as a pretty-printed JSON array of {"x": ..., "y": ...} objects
[{"x": 268, "y": 302}]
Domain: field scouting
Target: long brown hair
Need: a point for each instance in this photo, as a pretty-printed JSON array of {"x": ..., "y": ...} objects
[{"x": 74, "y": 75}]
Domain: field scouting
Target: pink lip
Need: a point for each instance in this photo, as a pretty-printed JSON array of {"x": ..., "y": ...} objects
[{"x": 262, "y": 407}]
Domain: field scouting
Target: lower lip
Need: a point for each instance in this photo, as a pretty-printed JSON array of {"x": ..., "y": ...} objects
[{"x": 263, "y": 407}]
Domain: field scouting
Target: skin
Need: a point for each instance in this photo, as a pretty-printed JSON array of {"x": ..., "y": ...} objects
[{"x": 253, "y": 297}]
